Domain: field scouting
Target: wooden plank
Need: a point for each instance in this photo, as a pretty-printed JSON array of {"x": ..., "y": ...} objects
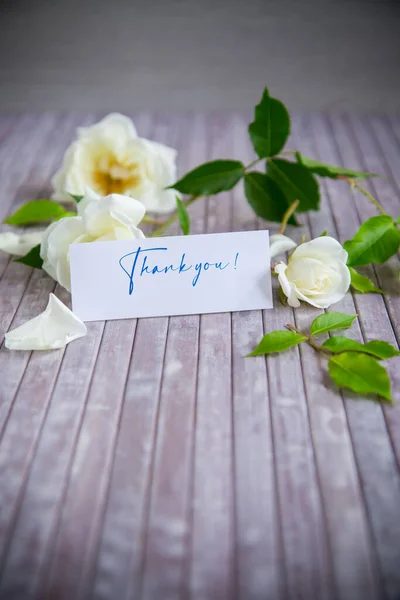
[
  {"x": 259, "y": 551},
  {"x": 48, "y": 479},
  {"x": 359, "y": 144},
  {"x": 120, "y": 546},
  {"x": 17, "y": 135},
  {"x": 343, "y": 504},
  {"x": 126, "y": 512},
  {"x": 93, "y": 426},
  {"x": 21, "y": 129},
  {"x": 212, "y": 558},
  {"x": 379, "y": 150},
  {"x": 25, "y": 374},
  {"x": 81, "y": 513},
  {"x": 372, "y": 447},
  {"x": 307, "y": 565},
  {"x": 7, "y": 125},
  {"x": 167, "y": 532},
  {"x": 18, "y": 159},
  {"x": 16, "y": 277},
  {"x": 25, "y": 129}
]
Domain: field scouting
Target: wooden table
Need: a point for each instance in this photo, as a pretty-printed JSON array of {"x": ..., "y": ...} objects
[{"x": 150, "y": 460}]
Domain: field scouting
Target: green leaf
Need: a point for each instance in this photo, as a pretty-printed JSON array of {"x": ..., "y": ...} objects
[
  {"x": 271, "y": 126},
  {"x": 265, "y": 197},
  {"x": 375, "y": 242},
  {"x": 325, "y": 170},
  {"x": 324, "y": 233},
  {"x": 361, "y": 373},
  {"x": 36, "y": 211},
  {"x": 32, "y": 259},
  {"x": 377, "y": 348},
  {"x": 76, "y": 198},
  {"x": 362, "y": 283},
  {"x": 397, "y": 220},
  {"x": 296, "y": 182},
  {"x": 211, "y": 178},
  {"x": 277, "y": 341},
  {"x": 183, "y": 216},
  {"x": 330, "y": 321}
]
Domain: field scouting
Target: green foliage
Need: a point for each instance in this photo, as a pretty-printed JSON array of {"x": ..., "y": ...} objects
[
  {"x": 37, "y": 211},
  {"x": 362, "y": 283},
  {"x": 32, "y": 259},
  {"x": 76, "y": 198},
  {"x": 265, "y": 197},
  {"x": 271, "y": 126},
  {"x": 324, "y": 170},
  {"x": 277, "y": 341},
  {"x": 360, "y": 373},
  {"x": 377, "y": 348},
  {"x": 211, "y": 178},
  {"x": 296, "y": 183},
  {"x": 331, "y": 321},
  {"x": 183, "y": 216},
  {"x": 375, "y": 242}
]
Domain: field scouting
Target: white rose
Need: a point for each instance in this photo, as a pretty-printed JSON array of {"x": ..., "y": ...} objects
[
  {"x": 99, "y": 219},
  {"x": 110, "y": 158},
  {"x": 316, "y": 273}
]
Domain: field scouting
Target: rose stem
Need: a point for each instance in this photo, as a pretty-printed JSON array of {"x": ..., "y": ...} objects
[
  {"x": 287, "y": 215},
  {"x": 309, "y": 340},
  {"x": 374, "y": 201},
  {"x": 172, "y": 219},
  {"x": 151, "y": 221}
]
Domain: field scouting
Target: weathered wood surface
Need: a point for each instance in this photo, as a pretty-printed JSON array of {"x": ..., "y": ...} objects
[{"x": 150, "y": 460}]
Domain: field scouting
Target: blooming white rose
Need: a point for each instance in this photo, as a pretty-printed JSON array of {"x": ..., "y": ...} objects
[
  {"x": 52, "y": 329},
  {"x": 316, "y": 273},
  {"x": 114, "y": 217},
  {"x": 110, "y": 158}
]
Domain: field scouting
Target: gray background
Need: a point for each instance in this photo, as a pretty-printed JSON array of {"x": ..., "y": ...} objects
[{"x": 204, "y": 54}]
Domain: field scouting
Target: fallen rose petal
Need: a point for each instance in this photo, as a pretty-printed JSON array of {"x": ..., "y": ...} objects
[
  {"x": 279, "y": 243},
  {"x": 19, "y": 244},
  {"x": 52, "y": 329}
]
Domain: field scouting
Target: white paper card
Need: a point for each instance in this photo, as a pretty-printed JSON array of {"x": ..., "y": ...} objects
[{"x": 180, "y": 275}]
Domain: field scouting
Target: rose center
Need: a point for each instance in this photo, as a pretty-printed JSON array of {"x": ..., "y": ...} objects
[{"x": 112, "y": 177}]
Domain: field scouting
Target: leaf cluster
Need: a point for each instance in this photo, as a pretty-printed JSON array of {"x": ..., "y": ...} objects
[
  {"x": 272, "y": 190},
  {"x": 351, "y": 364}
]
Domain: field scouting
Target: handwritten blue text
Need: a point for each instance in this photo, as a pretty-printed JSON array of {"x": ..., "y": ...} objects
[{"x": 141, "y": 263}]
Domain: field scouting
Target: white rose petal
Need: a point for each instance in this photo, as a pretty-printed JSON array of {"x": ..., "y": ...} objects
[
  {"x": 110, "y": 158},
  {"x": 317, "y": 273},
  {"x": 323, "y": 247},
  {"x": 288, "y": 288},
  {"x": 114, "y": 217},
  {"x": 112, "y": 211},
  {"x": 279, "y": 243},
  {"x": 52, "y": 329},
  {"x": 19, "y": 244}
]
